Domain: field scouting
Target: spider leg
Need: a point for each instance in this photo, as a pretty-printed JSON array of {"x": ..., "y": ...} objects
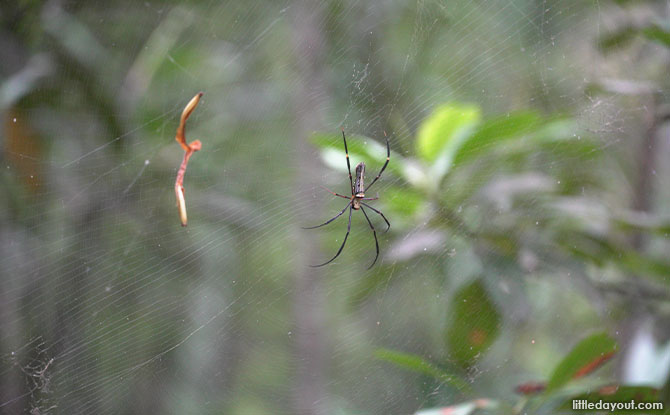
[
  {"x": 346, "y": 153},
  {"x": 374, "y": 233},
  {"x": 380, "y": 214},
  {"x": 341, "y": 246},
  {"x": 371, "y": 198},
  {"x": 336, "y": 194},
  {"x": 388, "y": 157},
  {"x": 330, "y": 220}
]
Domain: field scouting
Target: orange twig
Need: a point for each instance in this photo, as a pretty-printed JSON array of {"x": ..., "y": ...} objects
[
  {"x": 593, "y": 365},
  {"x": 530, "y": 388},
  {"x": 189, "y": 149}
]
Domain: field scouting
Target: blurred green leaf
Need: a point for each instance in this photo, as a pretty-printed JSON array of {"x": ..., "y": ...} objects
[
  {"x": 616, "y": 39},
  {"x": 634, "y": 221},
  {"x": 77, "y": 39},
  {"x": 474, "y": 323},
  {"x": 614, "y": 394},
  {"x": 441, "y": 134},
  {"x": 625, "y": 35},
  {"x": 495, "y": 131},
  {"x": 559, "y": 129},
  {"x": 585, "y": 357},
  {"x": 658, "y": 34},
  {"x": 645, "y": 265},
  {"x": 361, "y": 148},
  {"x": 602, "y": 251},
  {"x": 561, "y": 138},
  {"x": 155, "y": 52},
  {"x": 416, "y": 174},
  {"x": 571, "y": 151},
  {"x": 419, "y": 365},
  {"x": 404, "y": 201},
  {"x": 27, "y": 80},
  {"x": 334, "y": 141}
]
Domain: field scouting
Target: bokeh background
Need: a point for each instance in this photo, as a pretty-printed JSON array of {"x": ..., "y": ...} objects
[{"x": 527, "y": 262}]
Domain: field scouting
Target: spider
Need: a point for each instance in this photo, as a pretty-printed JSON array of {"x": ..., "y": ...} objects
[{"x": 356, "y": 200}]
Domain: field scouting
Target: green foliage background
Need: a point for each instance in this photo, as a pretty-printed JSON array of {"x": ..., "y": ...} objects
[{"x": 526, "y": 192}]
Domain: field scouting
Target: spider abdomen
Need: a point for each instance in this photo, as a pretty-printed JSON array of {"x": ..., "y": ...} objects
[{"x": 359, "y": 185}]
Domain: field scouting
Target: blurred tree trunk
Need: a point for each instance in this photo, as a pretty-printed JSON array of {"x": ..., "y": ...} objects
[
  {"x": 646, "y": 164},
  {"x": 642, "y": 203},
  {"x": 310, "y": 345}
]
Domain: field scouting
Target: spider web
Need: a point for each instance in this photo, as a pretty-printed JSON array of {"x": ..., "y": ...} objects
[{"x": 107, "y": 305}]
